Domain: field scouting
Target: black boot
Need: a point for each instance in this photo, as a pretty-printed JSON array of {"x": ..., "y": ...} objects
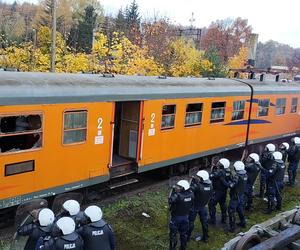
[
  {"x": 231, "y": 223},
  {"x": 269, "y": 209}
]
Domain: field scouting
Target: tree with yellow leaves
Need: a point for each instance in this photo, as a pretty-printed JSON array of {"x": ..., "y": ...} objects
[
  {"x": 130, "y": 59},
  {"x": 186, "y": 59},
  {"x": 238, "y": 61}
]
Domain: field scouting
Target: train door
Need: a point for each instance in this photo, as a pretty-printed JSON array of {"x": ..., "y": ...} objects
[{"x": 125, "y": 138}]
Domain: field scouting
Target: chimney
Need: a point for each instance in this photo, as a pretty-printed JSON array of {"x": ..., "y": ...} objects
[{"x": 252, "y": 44}]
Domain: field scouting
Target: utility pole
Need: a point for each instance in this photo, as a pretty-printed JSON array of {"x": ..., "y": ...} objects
[{"x": 53, "y": 37}]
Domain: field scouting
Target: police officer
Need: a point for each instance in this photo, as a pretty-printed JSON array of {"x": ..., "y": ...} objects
[
  {"x": 270, "y": 174},
  {"x": 293, "y": 158},
  {"x": 237, "y": 189},
  {"x": 279, "y": 178},
  {"x": 68, "y": 238},
  {"x": 40, "y": 228},
  {"x": 180, "y": 202},
  {"x": 252, "y": 168},
  {"x": 96, "y": 234},
  {"x": 219, "y": 176},
  {"x": 71, "y": 208},
  {"x": 266, "y": 160},
  {"x": 202, "y": 189},
  {"x": 284, "y": 148}
]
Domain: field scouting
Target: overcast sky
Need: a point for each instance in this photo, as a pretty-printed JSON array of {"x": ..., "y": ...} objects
[{"x": 271, "y": 19}]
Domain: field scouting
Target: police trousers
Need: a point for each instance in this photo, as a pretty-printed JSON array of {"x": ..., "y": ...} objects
[
  {"x": 203, "y": 215},
  {"x": 249, "y": 195},
  {"x": 292, "y": 171},
  {"x": 236, "y": 204},
  {"x": 179, "y": 224},
  {"x": 218, "y": 197}
]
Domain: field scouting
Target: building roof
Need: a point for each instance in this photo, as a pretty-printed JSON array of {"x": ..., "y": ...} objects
[{"x": 30, "y": 88}]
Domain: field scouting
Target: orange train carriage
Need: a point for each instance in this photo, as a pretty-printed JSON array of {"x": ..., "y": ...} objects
[{"x": 62, "y": 132}]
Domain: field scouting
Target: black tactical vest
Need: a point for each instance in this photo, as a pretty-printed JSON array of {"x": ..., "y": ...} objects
[
  {"x": 252, "y": 172},
  {"x": 69, "y": 242},
  {"x": 202, "y": 192},
  {"x": 183, "y": 203},
  {"x": 240, "y": 186},
  {"x": 96, "y": 236}
]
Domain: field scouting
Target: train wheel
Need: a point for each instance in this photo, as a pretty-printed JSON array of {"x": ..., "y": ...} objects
[
  {"x": 296, "y": 218},
  {"x": 248, "y": 241}
]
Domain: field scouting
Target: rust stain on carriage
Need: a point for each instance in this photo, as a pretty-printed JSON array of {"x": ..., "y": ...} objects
[{"x": 8, "y": 187}]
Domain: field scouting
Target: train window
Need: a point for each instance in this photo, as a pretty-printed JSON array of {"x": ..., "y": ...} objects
[
  {"x": 263, "y": 107},
  {"x": 20, "y": 132},
  {"x": 238, "y": 110},
  {"x": 193, "y": 114},
  {"x": 19, "y": 168},
  {"x": 294, "y": 105},
  {"x": 217, "y": 112},
  {"x": 280, "y": 106},
  {"x": 168, "y": 117},
  {"x": 75, "y": 126}
]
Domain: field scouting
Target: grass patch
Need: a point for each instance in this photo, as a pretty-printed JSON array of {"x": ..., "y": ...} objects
[
  {"x": 4, "y": 245},
  {"x": 134, "y": 231}
]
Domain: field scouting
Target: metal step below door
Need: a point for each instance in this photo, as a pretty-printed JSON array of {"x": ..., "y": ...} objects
[
  {"x": 123, "y": 183},
  {"x": 123, "y": 170}
]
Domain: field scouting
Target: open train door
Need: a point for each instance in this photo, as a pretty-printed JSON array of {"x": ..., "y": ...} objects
[
  {"x": 126, "y": 132},
  {"x": 26, "y": 213}
]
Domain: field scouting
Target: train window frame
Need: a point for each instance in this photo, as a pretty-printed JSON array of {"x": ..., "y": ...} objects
[
  {"x": 279, "y": 107},
  {"x": 238, "y": 110},
  {"x": 164, "y": 115},
  {"x": 40, "y": 131},
  {"x": 294, "y": 111},
  {"x": 19, "y": 171},
  {"x": 79, "y": 110},
  {"x": 267, "y": 108},
  {"x": 219, "y": 120},
  {"x": 188, "y": 125}
]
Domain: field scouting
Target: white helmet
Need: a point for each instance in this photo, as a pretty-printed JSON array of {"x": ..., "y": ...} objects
[
  {"x": 277, "y": 155},
  {"x": 225, "y": 162},
  {"x": 71, "y": 206},
  {"x": 183, "y": 183},
  {"x": 297, "y": 140},
  {"x": 270, "y": 147},
  {"x": 254, "y": 157},
  {"x": 239, "y": 166},
  {"x": 286, "y": 145},
  {"x": 203, "y": 174},
  {"x": 66, "y": 225},
  {"x": 46, "y": 217},
  {"x": 94, "y": 213}
]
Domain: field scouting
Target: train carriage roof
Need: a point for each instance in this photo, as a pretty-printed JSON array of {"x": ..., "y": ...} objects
[{"x": 37, "y": 88}]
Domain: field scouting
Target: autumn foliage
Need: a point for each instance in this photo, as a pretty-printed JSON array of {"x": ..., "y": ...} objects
[{"x": 126, "y": 44}]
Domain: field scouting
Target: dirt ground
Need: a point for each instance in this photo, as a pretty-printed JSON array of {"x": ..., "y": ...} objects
[{"x": 136, "y": 231}]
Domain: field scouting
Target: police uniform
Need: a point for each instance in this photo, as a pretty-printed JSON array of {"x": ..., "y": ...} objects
[
  {"x": 71, "y": 241},
  {"x": 35, "y": 232},
  {"x": 266, "y": 162},
  {"x": 180, "y": 205},
  {"x": 97, "y": 235},
  {"x": 271, "y": 185},
  {"x": 220, "y": 184},
  {"x": 293, "y": 158},
  {"x": 279, "y": 181},
  {"x": 202, "y": 192},
  {"x": 284, "y": 153},
  {"x": 236, "y": 203},
  {"x": 252, "y": 170}
]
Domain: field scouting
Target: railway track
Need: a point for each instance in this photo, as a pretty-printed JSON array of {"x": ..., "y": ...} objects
[{"x": 100, "y": 195}]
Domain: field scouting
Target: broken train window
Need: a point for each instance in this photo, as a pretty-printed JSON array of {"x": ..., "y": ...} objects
[{"x": 20, "y": 132}]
